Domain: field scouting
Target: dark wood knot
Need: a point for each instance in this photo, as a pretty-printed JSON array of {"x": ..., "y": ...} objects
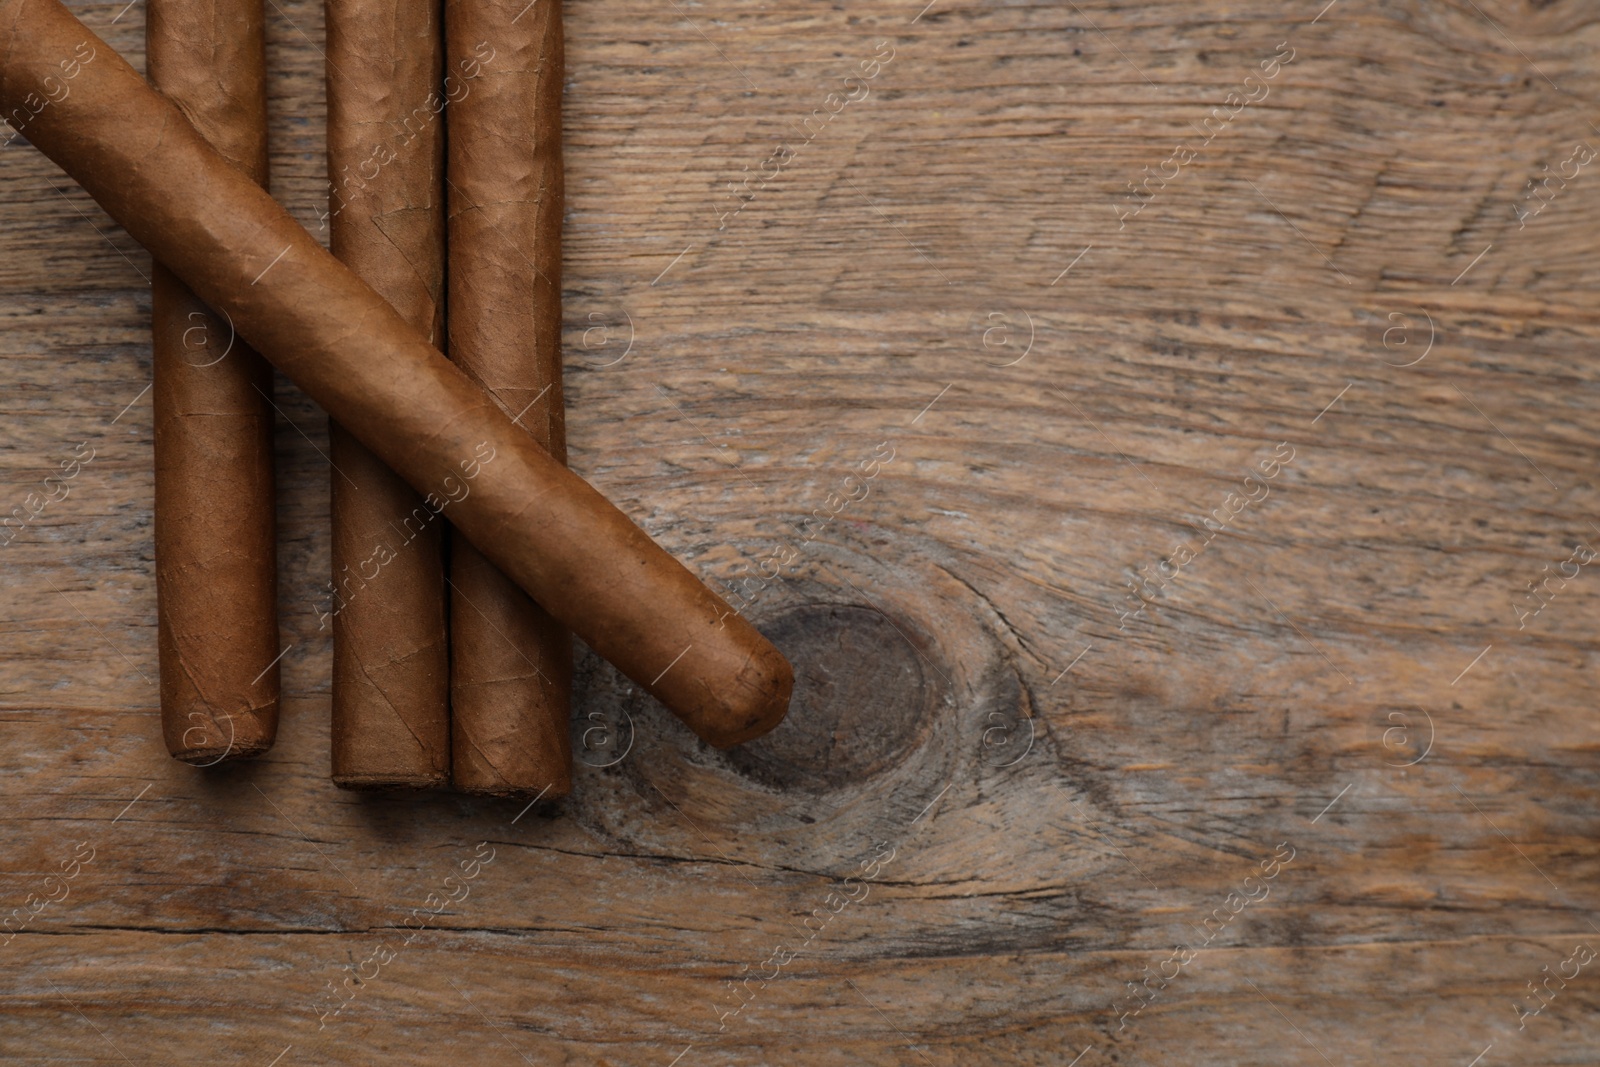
[{"x": 862, "y": 698}]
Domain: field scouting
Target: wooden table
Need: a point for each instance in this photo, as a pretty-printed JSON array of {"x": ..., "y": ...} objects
[{"x": 1215, "y": 616}]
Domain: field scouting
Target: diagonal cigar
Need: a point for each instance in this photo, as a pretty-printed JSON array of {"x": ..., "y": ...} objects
[
  {"x": 215, "y": 512},
  {"x": 391, "y": 655},
  {"x": 342, "y": 343},
  {"x": 510, "y": 662}
]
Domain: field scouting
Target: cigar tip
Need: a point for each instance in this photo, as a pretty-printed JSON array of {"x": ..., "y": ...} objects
[
  {"x": 768, "y": 680},
  {"x": 375, "y": 782},
  {"x": 555, "y": 789},
  {"x": 215, "y": 755}
]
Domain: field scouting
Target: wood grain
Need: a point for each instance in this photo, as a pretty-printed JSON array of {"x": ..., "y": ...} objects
[{"x": 1067, "y": 792}]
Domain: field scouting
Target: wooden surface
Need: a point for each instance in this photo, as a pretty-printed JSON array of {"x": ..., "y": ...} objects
[{"x": 1340, "y": 670}]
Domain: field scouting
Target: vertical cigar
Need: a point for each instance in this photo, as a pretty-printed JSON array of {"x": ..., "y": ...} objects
[
  {"x": 215, "y": 521},
  {"x": 339, "y": 341},
  {"x": 510, "y": 662},
  {"x": 391, "y": 712}
]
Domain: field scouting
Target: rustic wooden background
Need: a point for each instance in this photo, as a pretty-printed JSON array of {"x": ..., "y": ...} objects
[{"x": 1039, "y": 798}]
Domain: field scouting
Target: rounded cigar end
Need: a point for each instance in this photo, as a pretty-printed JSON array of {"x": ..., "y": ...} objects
[
  {"x": 549, "y": 791},
  {"x": 759, "y": 703},
  {"x": 377, "y": 782},
  {"x": 213, "y": 755},
  {"x": 202, "y": 738}
]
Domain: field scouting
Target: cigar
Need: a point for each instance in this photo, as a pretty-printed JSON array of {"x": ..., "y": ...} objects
[
  {"x": 391, "y": 661},
  {"x": 215, "y": 512},
  {"x": 510, "y": 662},
  {"x": 340, "y": 342}
]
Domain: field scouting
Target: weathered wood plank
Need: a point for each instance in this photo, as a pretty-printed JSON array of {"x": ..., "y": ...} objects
[{"x": 929, "y": 327}]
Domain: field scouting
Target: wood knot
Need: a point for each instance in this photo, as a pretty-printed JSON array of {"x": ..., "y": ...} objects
[{"x": 862, "y": 699}]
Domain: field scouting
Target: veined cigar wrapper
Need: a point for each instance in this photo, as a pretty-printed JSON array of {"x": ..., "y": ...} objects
[
  {"x": 342, "y": 343},
  {"x": 510, "y": 662},
  {"x": 386, "y": 210},
  {"x": 215, "y": 509}
]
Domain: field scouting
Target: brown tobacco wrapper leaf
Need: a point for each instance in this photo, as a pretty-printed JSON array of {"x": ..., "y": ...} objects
[
  {"x": 342, "y": 343},
  {"x": 215, "y": 510},
  {"x": 391, "y": 700},
  {"x": 510, "y": 662}
]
